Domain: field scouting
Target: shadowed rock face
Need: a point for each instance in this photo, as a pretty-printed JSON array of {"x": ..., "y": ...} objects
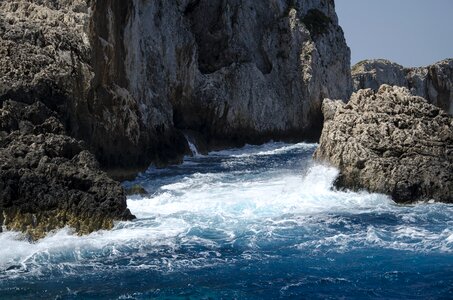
[
  {"x": 390, "y": 142},
  {"x": 48, "y": 180},
  {"x": 434, "y": 83},
  {"x": 70, "y": 55}
]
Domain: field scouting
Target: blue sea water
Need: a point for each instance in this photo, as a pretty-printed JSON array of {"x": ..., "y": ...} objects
[{"x": 262, "y": 222}]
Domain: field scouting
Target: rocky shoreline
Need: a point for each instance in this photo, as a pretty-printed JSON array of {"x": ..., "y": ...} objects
[
  {"x": 121, "y": 83},
  {"x": 92, "y": 90},
  {"x": 49, "y": 180}
]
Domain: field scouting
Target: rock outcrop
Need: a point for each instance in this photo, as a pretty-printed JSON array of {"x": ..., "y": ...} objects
[
  {"x": 390, "y": 142},
  {"x": 49, "y": 180},
  {"x": 434, "y": 83}
]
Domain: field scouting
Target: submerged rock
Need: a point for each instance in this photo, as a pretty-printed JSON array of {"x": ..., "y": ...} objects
[
  {"x": 390, "y": 142},
  {"x": 434, "y": 83},
  {"x": 136, "y": 189},
  {"x": 48, "y": 180}
]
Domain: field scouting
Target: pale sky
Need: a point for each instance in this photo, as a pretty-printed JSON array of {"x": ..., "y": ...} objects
[{"x": 409, "y": 32}]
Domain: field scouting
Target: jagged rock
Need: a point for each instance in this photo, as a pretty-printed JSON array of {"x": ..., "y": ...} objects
[
  {"x": 434, "y": 83},
  {"x": 48, "y": 180},
  {"x": 260, "y": 69},
  {"x": 129, "y": 77},
  {"x": 390, "y": 142}
]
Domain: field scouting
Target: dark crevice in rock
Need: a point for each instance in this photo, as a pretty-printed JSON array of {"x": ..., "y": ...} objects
[
  {"x": 214, "y": 26},
  {"x": 191, "y": 7},
  {"x": 317, "y": 22}
]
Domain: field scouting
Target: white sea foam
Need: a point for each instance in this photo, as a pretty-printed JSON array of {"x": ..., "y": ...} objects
[
  {"x": 264, "y": 150},
  {"x": 246, "y": 207},
  {"x": 192, "y": 146}
]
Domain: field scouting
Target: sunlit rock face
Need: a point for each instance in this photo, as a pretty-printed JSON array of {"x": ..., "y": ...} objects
[
  {"x": 390, "y": 142},
  {"x": 235, "y": 71},
  {"x": 434, "y": 82}
]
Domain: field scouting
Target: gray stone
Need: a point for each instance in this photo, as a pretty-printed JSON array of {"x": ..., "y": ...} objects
[
  {"x": 434, "y": 83},
  {"x": 48, "y": 180},
  {"x": 390, "y": 142},
  {"x": 129, "y": 77}
]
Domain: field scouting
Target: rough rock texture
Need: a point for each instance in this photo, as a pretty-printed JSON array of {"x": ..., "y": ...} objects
[
  {"x": 434, "y": 83},
  {"x": 48, "y": 180},
  {"x": 70, "y": 56},
  {"x": 390, "y": 142},
  {"x": 246, "y": 71},
  {"x": 128, "y": 77}
]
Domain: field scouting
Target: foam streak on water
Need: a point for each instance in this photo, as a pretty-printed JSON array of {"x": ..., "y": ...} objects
[{"x": 254, "y": 223}]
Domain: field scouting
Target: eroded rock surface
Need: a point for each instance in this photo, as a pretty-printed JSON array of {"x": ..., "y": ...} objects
[
  {"x": 390, "y": 142},
  {"x": 128, "y": 77},
  {"x": 49, "y": 180},
  {"x": 236, "y": 71},
  {"x": 434, "y": 83}
]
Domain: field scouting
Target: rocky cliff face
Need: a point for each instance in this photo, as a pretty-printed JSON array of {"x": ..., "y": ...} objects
[
  {"x": 126, "y": 80},
  {"x": 70, "y": 55},
  {"x": 434, "y": 83},
  {"x": 390, "y": 142},
  {"x": 128, "y": 77},
  {"x": 47, "y": 179},
  {"x": 235, "y": 71}
]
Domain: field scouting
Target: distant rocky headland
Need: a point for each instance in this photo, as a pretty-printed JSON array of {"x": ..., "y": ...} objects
[
  {"x": 92, "y": 90},
  {"x": 434, "y": 83}
]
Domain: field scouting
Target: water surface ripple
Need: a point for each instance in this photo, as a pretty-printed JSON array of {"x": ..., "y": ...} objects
[{"x": 262, "y": 222}]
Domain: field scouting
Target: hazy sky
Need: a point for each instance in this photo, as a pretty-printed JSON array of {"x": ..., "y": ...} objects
[{"x": 409, "y": 32}]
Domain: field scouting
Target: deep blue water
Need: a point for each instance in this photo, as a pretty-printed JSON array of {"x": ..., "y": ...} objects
[{"x": 253, "y": 223}]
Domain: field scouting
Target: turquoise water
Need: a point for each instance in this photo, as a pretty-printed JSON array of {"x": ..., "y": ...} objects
[{"x": 260, "y": 222}]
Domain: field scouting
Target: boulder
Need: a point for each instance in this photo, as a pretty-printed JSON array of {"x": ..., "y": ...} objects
[{"x": 390, "y": 142}]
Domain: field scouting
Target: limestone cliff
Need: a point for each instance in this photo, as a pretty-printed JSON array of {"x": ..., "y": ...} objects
[
  {"x": 434, "y": 83},
  {"x": 390, "y": 142},
  {"x": 128, "y": 77}
]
